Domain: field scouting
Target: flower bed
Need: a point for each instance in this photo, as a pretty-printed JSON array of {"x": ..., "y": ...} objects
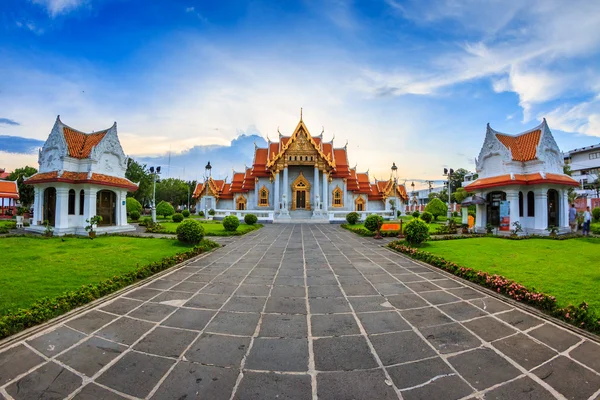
[{"x": 579, "y": 316}]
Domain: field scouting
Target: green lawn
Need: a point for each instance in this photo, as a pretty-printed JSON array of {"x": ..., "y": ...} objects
[
  {"x": 213, "y": 228},
  {"x": 566, "y": 269},
  {"x": 33, "y": 268}
]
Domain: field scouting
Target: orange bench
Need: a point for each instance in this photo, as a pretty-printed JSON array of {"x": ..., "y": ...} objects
[{"x": 390, "y": 227}]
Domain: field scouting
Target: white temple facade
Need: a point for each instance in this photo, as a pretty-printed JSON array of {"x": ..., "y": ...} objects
[
  {"x": 521, "y": 180},
  {"x": 81, "y": 175}
]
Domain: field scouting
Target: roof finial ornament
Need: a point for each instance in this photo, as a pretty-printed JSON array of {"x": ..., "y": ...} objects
[{"x": 300, "y": 113}]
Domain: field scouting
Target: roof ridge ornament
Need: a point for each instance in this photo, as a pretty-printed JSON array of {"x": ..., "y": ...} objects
[{"x": 300, "y": 114}]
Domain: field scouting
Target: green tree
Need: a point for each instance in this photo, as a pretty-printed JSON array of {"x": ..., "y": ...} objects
[
  {"x": 138, "y": 173},
  {"x": 457, "y": 178},
  {"x": 133, "y": 205},
  {"x": 172, "y": 190},
  {"x": 437, "y": 208},
  {"x": 165, "y": 209},
  {"x": 26, "y": 192},
  {"x": 460, "y": 195}
]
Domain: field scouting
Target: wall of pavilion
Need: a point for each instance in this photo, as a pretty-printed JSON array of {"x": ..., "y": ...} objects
[
  {"x": 521, "y": 180},
  {"x": 301, "y": 176}
]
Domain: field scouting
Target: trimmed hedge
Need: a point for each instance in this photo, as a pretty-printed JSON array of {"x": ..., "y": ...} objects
[
  {"x": 185, "y": 213},
  {"x": 190, "y": 231},
  {"x": 427, "y": 216},
  {"x": 416, "y": 231},
  {"x": 177, "y": 217},
  {"x": 47, "y": 308},
  {"x": 250, "y": 219},
  {"x": 135, "y": 215},
  {"x": 231, "y": 223},
  {"x": 373, "y": 222},
  {"x": 352, "y": 218},
  {"x": 367, "y": 233}
]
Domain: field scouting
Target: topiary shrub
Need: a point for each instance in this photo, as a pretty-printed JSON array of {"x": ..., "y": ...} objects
[
  {"x": 185, "y": 213},
  {"x": 165, "y": 209},
  {"x": 201, "y": 214},
  {"x": 211, "y": 212},
  {"x": 372, "y": 222},
  {"x": 352, "y": 218},
  {"x": 416, "y": 231},
  {"x": 135, "y": 215},
  {"x": 437, "y": 208},
  {"x": 596, "y": 213},
  {"x": 250, "y": 219},
  {"x": 230, "y": 223},
  {"x": 132, "y": 205},
  {"x": 146, "y": 221},
  {"x": 177, "y": 217},
  {"x": 190, "y": 231},
  {"x": 427, "y": 217},
  {"x": 455, "y": 214},
  {"x": 416, "y": 214}
]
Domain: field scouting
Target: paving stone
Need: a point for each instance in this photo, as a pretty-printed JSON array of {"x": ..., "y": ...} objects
[
  {"x": 178, "y": 275},
  {"x": 467, "y": 293},
  {"x": 152, "y": 312},
  {"x": 286, "y": 325},
  {"x": 170, "y": 295},
  {"x": 519, "y": 319},
  {"x": 483, "y": 368},
  {"x": 166, "y": 342},
  {"x": 188, "y": 286},
  {"x": 142, "y": 294},
  {"x": 439, "y": 297},
  {"x": 258, "y": 280},
  {"x": 418, "y": 372},
  {"x": 396, "y": 348},
  {"x": 489, "y": 328},
  {"x": 523, "y": 388},
  {"x": 491, "y": 305},
  {"x": 406, "y": 301},
  {"x": 288, "y": 291},
  {"x": 325, "y": 291},
  {"x": 289, "y": 280},
  {"x": 450, "y": 338},
  {"x": 359, "y": 290},
  {"x": 54, "y": 342},
  {"x": 424, "y": 317},
  {"x": 287, "y": 354},
  {"x": 207, "y": 301},
  {"x": 224, "y": 351},
  {"x": 246, "y": 304},
  {"x": 329, "y": 305},
  {"x": 447, "y": 388},
  {"x": 379, "y": 277},
  {"x": 189, "y": 380},
  {"x": 342, "y": 354},
  {"x": 253, "y": 290},
  {"x": 355, "y": 385},
  {"x": 283, "y": 305},
  {"x": 448, "y": 283},
  {"x": 462, "y": 311},
  {"x": 260, "y": 386},
  {"x": 525, "y": 351},
  {"x": 121, "y": 306},
  {"x": 125, "y": 330},
  {"x": 422, "y": 286},
  {"x": 555, "y": 337},
  {"x": 587, "y": 353},
  {"x": 135, "y": 373},
  {"x": 569, "y": 378},
  {"x": 95, "y": 392},
  {"x": 90, "y": 321},
  {"x": 200, "y": 278},
  {"x": 432, "y": 276},
  {"x": 408, "y": 277},
  {"x": 92, "y": 355},
  {"x": 219, "y": 288},
  {"x": 387, "y": 289},
  {"x": 234, "y": 323},
  {"x": 382, "y": 322},
  {"x": 188, "y": 318},
  {"x": 50, "y": 381},
  {"x": 334, "y": 325},
  {"x": 15, "y": 361}
]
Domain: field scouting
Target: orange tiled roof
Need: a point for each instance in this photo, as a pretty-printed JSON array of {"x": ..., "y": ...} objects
[
  {"x": 402, "y": 192},
  {"x": 352, "y": 181},
  {"x": 9, "y": 190},
  {"x": 522, "y": 147},
  {"x": 520, "y": 179},
  {"x": 82, "y": 177},
  {"x": 237, "y": 182},
  {"x": 80, "y": 144},
  {"x": 248, "y": 183}
]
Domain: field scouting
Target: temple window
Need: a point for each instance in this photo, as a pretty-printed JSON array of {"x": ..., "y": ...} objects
[
  {"x": 264, "y": 197},
  {"x": 241, "y": 203},
  {"x": 71, "y": 202},
  {"x": 360, "y": 204},
  {"x": 81, "y": 201},
  {"x": 520, "y": 204},
  {"x": 530, "y": 204},
  {"x": 337, "y": 197}
]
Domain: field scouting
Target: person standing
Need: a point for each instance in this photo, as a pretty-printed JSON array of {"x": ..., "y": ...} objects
[
  {"x": 587, "y": 220},
  {"x": 573, "y": 218}
]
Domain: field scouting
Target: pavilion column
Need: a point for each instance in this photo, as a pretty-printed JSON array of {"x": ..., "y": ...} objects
[
  {"x": 325, "y": 192},
  {"x": 256, "y": 200},
  {"x": 345, "y": 198},
  {"x": 276, "y": 199},
  {"x": 316, "y": 188},
  {"x": 61, "y": 220},
  {"x": 513, "y": 197},
  {"x": 564, "y": 210},
  {"x": 286, "y": 187},
  {"x": 36, "y": 205},
  {"x": 541, "y": 209},
  {"x": 123, "y": 208},
  {"x": 89, "y": 203}
]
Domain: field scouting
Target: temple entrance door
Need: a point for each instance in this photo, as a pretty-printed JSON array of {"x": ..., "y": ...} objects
[
  {"x": 301, "y": 199},
  {"x": 49, "y": 206},
  {"x": 300, "y": 193},
  {"x": 106, "y": 204},
  {"x": 553, "y": 208},
  {"x": 493, "y": 207}
]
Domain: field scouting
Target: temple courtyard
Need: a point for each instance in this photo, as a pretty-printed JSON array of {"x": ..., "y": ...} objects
[{"x": 302, "y": 311}]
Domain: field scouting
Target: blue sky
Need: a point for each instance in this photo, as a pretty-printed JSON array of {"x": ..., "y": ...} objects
[{"x": 410, "y": 82}]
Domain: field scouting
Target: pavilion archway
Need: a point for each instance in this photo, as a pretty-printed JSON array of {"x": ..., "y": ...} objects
[{"x": 301, "y": 193}]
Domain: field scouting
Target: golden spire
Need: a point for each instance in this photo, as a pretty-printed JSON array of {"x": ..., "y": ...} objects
[{"x": 300, "y": 113}]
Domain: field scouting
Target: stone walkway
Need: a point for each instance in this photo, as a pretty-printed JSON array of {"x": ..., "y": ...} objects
[{"x": 303, "y": 312}]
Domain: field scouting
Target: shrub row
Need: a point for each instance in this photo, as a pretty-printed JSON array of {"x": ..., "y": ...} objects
[
  {"x": 365, "y": 232},
  {"x": 46, "y": 308},
  {"x": 579, "y": 316}
]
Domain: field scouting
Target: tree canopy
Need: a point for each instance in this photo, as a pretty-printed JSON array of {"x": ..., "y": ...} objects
[
  {"x": 437, "y": 208},
  {"x": 26, "y": 192}
]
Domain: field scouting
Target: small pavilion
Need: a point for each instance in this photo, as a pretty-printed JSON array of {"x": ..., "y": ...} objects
[
  {"x": 9, "y": 194},
  {"x": 521, "y": 179}
]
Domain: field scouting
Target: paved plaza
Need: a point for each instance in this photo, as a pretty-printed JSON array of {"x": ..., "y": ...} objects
[{"x": 303, "y": 312}]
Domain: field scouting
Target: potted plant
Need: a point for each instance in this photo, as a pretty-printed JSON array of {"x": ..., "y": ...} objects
[
  {"x": 49, "y": 229},
  {"x": 553, "y": 230},
  {"x": 465, "y": 229},
  {"x": 489, "y": 228},
  {"x": 93, "y": 222},
  {"x": 517, "y": 228}
]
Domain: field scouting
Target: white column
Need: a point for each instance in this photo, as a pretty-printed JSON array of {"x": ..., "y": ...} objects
[
  {"x": 564, "y": 209},
  {"x": 347, "y": 203},
  {"x": 37, "y": 206},
  {"x": 325, "y": 198},
  {"x": 286, "y": 187},
  {"x": 316, "y": 187},
  {"x": 276, "y": 199},
  {"x": 541, "y": 209},
  {"x": 123, "y": 208},
  {"x": 61, "y": 220},
  {"x": 89, "y": 205},
  {"x": 513, "y": 197},
  {"x": 480, "y": 217},
  {"x": 256, "y": 199}
]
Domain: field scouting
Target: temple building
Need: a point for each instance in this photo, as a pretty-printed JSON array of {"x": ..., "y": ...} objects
[
  {"x": 81, "y": 175},
  {"x": 521, "y": 179},
  {"x": 300, "y": 177}
]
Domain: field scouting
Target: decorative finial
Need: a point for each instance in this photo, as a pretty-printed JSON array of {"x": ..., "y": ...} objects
[{"x": 300, "y": 113}]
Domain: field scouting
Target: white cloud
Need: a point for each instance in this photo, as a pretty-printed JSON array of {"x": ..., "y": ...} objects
[
  {"x": 582, "y": 118},
  {"x": 57, "y": 7}
]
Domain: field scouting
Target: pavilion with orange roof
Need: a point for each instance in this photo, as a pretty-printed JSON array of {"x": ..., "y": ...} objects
[
  {"x": 521, "y": 179},
  {"x": 81, "y": 175},
  {"x": 300, "y": 177}
]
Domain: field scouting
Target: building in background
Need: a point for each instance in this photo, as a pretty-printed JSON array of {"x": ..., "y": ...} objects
[{"x": 585, "y": 168}]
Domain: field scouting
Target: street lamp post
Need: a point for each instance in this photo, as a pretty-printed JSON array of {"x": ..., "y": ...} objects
[
  {"x": 449, "y": 173},
  {"x": 154, "y": 173},
  {"x": 412, "y": 200},
  {"x": 395, "y": 177},
  {"x": 207, "y": 176}
]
